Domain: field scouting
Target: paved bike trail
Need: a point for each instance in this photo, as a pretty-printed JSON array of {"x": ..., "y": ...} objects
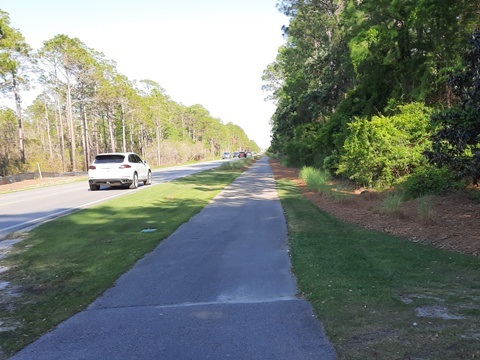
[{"x": 220, "y": 287}]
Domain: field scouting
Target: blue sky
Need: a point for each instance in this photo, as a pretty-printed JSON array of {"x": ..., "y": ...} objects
[{"x": 208, "y": 52}]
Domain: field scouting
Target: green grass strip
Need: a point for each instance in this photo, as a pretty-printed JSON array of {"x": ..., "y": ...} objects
[
  {"x": 65, "y": 264},
  {"x": 379, "y": 296}
]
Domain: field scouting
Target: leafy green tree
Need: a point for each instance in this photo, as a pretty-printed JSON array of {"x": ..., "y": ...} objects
[
  {"x": 157, "y": 108},
  {"x": 457, "y": 144},
  {"x": 8, "y": 139},
  {"x": 238, "y": 139},
  {"x": 15, "y": 63},
  {"x": 100, "y": 92},
  {"x": 400, "y": 49},
  {"x": 41, "y": 132},
  {"x": 302, "y": 148},
  {"x": 67, "y": 58},
  {"x": 86, "y": 106},
  {"x": 346, "y": 60}
]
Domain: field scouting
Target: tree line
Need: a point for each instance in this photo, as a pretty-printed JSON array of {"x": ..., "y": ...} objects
[
  {"x": 379, "y": 91},
  {"x": 85, "y": 106}
]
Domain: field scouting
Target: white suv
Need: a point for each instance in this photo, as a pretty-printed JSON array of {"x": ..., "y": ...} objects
[{"x": 118, "y": 169}]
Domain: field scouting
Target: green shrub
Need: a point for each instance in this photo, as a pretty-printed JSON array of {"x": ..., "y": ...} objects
[
  {"x": 379, "y": 151},
  {"x": 314, "y": 178},
  {"x": 429, "y": 180},
  {"x": 330, "y": 163}
]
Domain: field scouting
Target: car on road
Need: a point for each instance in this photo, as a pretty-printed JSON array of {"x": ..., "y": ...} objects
[
  {"x": 118, "y": 169},
  {"x": 235, "y": 154},
  {"x": 242, "y": 154},
  {"x": 226, "y": 155}
]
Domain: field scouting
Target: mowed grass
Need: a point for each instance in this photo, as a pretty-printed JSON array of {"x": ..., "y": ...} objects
[
  {"x": 382, "y": 297},
  {"x": 63, "y": 265}
]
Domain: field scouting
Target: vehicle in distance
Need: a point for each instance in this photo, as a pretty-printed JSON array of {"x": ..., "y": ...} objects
[
  {"x": 235, "y": 154},
  {"x": 226, "y": 155},
  {"x": 118, "y": 169},
  {"x": 242, "y": 154}
]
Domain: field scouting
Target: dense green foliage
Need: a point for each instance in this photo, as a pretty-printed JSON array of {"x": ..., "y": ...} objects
[
  {"x": 85, "y": 106},
  {"x": 356, "y": 82},
  {"x": 383, "y": 149},
  {"x": 457, "y": 143},
  {"x": 428, "y": 180}
]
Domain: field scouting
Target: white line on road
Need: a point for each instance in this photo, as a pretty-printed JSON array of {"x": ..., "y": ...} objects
[{"x": 57, "y": 214}]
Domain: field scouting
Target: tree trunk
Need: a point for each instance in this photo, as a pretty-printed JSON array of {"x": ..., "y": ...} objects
[
  {"x": 132, "y": 143},
  {"x": 61, "y": 136},
  {"x": 143, "y": 144},
  {"x": 49, "y": 135},
  {"x": 111, "y": 131},
  {"x": 103, "y": 134},
  {"x": 124, "y": 138},
  {"x": 184, "y": 126},
  {"x": 18, "y": 103},
  {"x": 71, "y": 129},
  {"x": 85, "y": 137},
  {"x": 96, "y": 138},
  {"x": 158, "y": 132}
]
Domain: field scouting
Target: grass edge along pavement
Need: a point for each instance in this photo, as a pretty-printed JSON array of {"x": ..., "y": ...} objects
[
  {"x": 63, "y": 265},
  {"x": 380, "y": 296}
]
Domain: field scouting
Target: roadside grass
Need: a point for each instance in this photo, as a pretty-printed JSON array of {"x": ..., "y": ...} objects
[
  {"x": 319, "y": 180},
  {"x": 237, "y": 164},
  {"x": 379, "y": 296},
  {"x": 63, "y": 265}
]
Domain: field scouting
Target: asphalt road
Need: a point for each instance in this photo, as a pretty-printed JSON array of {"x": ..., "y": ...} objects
[
  {"x": 220, "y": 287},
  {"x": 24, "y": 209}
]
